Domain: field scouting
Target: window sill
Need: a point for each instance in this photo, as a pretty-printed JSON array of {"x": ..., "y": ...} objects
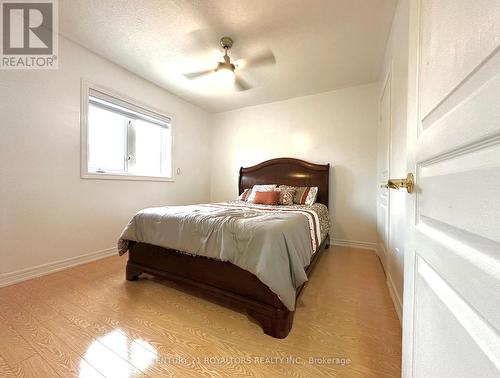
[{"x": 126, "y": 177}]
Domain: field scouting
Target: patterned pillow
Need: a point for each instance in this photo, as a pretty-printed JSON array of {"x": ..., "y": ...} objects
[
  {"x": 286, "y": 195},
  {"x": 243, "y": 196},
  {"x": 304, "y": 195},
  {"x": 260, "y": 188}
]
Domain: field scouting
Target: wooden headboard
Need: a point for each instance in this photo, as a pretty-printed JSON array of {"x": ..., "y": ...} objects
[{"x": 288, "y": 171}]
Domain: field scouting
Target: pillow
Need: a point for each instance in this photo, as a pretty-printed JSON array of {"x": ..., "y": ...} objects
[
  {"x": 267, "y": 198},
  {"x": 286, "y": 195},
  {"x": 304, "y": 195},
  {"x": 243, "y": 196},
  {"x": 260, "y": 188}
]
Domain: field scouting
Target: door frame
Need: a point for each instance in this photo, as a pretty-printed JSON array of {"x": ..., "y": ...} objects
[
  {"x": 411, "y": 214},
  {"x": 386, "y": 84}
]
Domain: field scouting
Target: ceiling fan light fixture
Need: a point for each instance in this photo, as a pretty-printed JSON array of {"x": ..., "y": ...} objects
[
  {"x": 225, "y": 73},
  {"x": 225, "y": 76},
  {"x": 225, "y": 70}
]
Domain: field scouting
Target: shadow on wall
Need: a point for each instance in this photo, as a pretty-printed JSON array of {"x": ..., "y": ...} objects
[
  {"x": 335, "y": 229},
  {"x": 339, "y": 195}
]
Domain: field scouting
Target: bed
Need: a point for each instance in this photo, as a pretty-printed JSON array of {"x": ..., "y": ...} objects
[{"x": 224, "y": 281}]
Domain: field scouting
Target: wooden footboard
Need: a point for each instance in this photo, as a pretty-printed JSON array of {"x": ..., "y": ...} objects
[{"x": 220, "y": 280}]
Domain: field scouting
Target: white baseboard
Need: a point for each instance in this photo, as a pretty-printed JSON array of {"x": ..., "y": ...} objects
[
  {"x": 398, "y": 303},
  {"x": 396, "y": 299},
  {"x": 355, "y": 244},
  {"x": 382, "y": 253},
  {"x": 41, "y": 270}
]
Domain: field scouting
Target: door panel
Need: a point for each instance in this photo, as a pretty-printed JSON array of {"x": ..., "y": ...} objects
[
  {"x": 456, "y": 36},
  {"x": 452, "y": 279},
  {"x": 470, "y": 113},
  {"x": 454, "y": 253},
  {"x": 467, "y": 200},
  {"x": 444, "y": 320}
]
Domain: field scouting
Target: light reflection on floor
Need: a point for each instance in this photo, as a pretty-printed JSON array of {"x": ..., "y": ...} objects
[
  {"x": 87, "y": 371},
  {"x": 109, "y": 355}
]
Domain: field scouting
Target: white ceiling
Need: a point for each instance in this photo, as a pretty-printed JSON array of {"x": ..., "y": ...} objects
[{"x": 319, "y": 45}]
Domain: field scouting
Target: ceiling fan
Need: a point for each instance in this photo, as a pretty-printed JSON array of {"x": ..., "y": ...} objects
[{"x": 227, "y": 71}]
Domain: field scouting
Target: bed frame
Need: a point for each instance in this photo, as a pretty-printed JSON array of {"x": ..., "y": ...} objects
[{"x": 224, "y": 281}]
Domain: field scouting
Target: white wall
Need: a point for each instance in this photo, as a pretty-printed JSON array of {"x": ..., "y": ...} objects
[
  {"x": 47, "y": 212},
  {"x": 396, "y": 63},
  {"x": 338, "y": 127}
]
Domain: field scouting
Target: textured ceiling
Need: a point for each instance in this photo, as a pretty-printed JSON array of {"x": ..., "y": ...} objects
[{"x": 319, "y": 45}]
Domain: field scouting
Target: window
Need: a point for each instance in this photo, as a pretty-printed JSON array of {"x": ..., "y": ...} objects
[{"x": 122, "y": 140}]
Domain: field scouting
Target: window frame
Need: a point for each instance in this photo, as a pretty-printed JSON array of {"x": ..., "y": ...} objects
[{"x": 132, "y": 104}]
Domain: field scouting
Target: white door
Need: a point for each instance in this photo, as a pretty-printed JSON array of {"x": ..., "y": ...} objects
[
  {"x": 391, "y": 217},
  {"x": 451, "y": 325}
]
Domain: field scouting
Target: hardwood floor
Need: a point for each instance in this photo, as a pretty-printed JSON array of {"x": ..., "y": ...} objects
[{"x": 89, "y": 322}]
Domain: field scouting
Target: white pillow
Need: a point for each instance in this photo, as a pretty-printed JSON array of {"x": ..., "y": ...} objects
[
  {"x": 243, "y": 196},
  {"x": 260, "y": 188}
]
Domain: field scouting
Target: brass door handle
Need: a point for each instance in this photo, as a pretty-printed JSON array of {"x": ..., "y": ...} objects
[{"x": 408, "y": 183}]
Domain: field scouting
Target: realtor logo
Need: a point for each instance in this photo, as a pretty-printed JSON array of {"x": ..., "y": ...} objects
[{"x": 29, "y": 34}]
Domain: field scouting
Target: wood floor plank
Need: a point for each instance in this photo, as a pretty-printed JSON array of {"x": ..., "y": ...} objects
[
  {"x": 37, "y": 308},
  {"x": 54, "y": 351},
  {"x": 104, "y": 359},
  {"x": 131, "y": 347},
  {"x": 35, "y": 367},
  {"x": 5, "y": 370},
  {"x": 184, "y": 345},
  {"x": 13, "y": 348},
  {"x": 344, "y": 312},
  {"x": 129, "y": 337}
]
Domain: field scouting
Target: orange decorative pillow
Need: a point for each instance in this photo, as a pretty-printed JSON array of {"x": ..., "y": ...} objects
[{"x": 267, "y": 198}]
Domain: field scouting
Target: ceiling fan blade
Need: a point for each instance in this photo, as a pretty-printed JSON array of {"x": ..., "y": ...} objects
[
  {"x": 196, "y": 75},
  {"x": 240, "y": 84},
  {"x": 263, "y": 59}
]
